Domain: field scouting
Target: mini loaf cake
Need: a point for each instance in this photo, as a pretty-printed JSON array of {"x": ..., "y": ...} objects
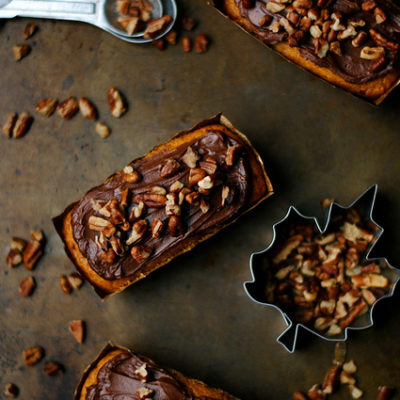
[
  {"x": 163, "y": 204},
  {"x": 119, "y": 373},
  {"x": 350, "y": 43}
]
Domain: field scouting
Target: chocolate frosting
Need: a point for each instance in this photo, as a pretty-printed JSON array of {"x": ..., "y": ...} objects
[
  {"x": 215, "y": 144},
  {"x": 350, "y": 66},
  {"x": 117, "y": 380}
]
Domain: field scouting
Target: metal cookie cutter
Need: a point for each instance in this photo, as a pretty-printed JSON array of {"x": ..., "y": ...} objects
[
  {"x": 260, "y": 263},
  {"x": 100, "y": 13}
]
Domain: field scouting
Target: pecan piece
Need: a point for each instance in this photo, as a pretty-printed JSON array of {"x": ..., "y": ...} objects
[
  {"x": 130, "y": 24},
  {"x": 331, "y": 379},
  {"x": 117, "y": 246},
  {"x": 190, "y": 157},
  {"x": 77, "y": 328},
  {"x": 193, "y": 198},
  {"x": 75, "y": 280},
  {"x": 122, "y": 6},
  {"x": 87, "y": 108},
  {"x": 20, "y": 51},
  {"x": 186, "y": 44},
  {"x": 46, "y": 107},
  {"x": 196, "y": 175},
  {"x": 379, "y": 15},
  {"x": 141, "y": 253},
  {"x": 384, "y": 393},
  {"x": 138, "y": 230},
  {"x": 32, "y": 253},
  {"x": 157, "y": 227},
  {"x": 315, "y": 393},
  {"x": 299, "y": 396},
  {"x": 201, "y": 43},
  {"x": 116, "y": 102},
  {"x": 371, "y": 53},
  {"x": 232, "y": 154},
  {"x": 142, "y": 373},
  {"x": 136, "y": 211},
  {"x": 144, "y": 393},
  {"x": 131, "y": 176},
  {"x": 170, "y": 37},
  {"x": 68, "y": 108},
  {"x": 22, "y": 125},
  {"x": 102, "y": 130},
  {"x": 155, "y": 27},
  {"x": 108, "y": 256},
  {"x": 188, "y": 23},
  {"x": 11, "y": 390},
  {"x": 209, "y": 165},
  {"x": 65, "y": 285},
  {"x": 169, "y": 168},
  {"x": 26, "y": 287},
  {"x": 29, "y": 30},
  {"x": 51, "y": 368},
  {"x": 98, "y": 224},
  {"x": 175, "y": 226},
  {"x": 9, "y": 124},
  {"x": 352, "y": 314},
  {"x": 368, "y": 5},
  {"x": 153, "y": 200},
  {"x": 177, "y": 186},
  {"x": 377, "y": 64},
  {"x": 204, "y": 206},
  {"x": 359, "y": 39},
  {"x": 382, "y": 41},
  {"x": 32, "y": 355}
]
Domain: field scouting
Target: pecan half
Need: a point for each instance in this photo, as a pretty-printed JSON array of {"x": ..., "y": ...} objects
[
  {"x": 32, "y": 355},
  {"x": 331, "y": 379},
  {"x": 155, "y": 27},
  {"x": 52, "y": 368},
  {"x": 169, "y": 168},
  {"x": 26, "y": 287},
  {"x": 46, "y": 107},
  {"x": 87, "y": 108},
  {"x": 77, "y": 328},
  {"x": 32, "y": 253},
  {"x": 68, "y": 108},
  {"x": 22, "y": 125},
  {"x": 196, "y": 175},
  {"x": 382, "y": 41},
  {"x": 116, "y": 102},
  {"x": 138, "y": 230},
  {"x": 20, "y": 51},
  {"x": 9, "y": 124}
]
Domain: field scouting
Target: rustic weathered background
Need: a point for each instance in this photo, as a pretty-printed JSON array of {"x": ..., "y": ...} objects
[{"x": 192, "y": 315}]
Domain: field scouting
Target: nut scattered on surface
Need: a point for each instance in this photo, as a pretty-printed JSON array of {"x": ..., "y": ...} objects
[
  {"x": 116, "y": 102},
  {"x": 170, "y": 37},
  {"x": 20, "y": 51},
  {"x": 14, "y": 258},
  {"x": 68, "y": 108},
  {"x": 201, "y": 43},
  {"x": 11, "y": 390},
  {"x": 22, "y": 125},
  {"x": 33, "y": 250},
  {"x": 87, "y": 108},
  {"x": 52, "y": 368},
  {"x": 188, "y": 23},
  {"x": 75, "y": 280},
  {"x": 77, "y": 328},
  {"x": 9, "y": 124},
  {"x": 29, "y": 30},
  {"x": 33, "y": 355},
  {"x": 65, "y": 285},
  {"x": 102, "y": 130},
  {"x": 384, "y": 393},
  {"x": 46, "y": 107},
  {"x": 186, "y": 44},
  {"x": 156, "y": 26},
  {"x": 26, "y": 287}
]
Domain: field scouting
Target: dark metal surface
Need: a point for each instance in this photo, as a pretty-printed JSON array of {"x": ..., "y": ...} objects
[{"x": 192, "y": 315}]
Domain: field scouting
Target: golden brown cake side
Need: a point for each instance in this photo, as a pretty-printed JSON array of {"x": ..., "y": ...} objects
[
  {"x": 136, "y": 372},
  {"x": 373, "y": 90},
  {"x": 259, "y": 188}
]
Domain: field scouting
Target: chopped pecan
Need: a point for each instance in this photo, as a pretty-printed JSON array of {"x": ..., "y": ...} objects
[
  {"x": 22, "y": 125},
  {"x": 130, "y": 175},
  {"x": 355, "y": 392},
  {"x": 350, "y": 367},
  {"x": 169, "y": 168},
  {"x": 196, "y": 175},
  {"x": 26, "y": 287},
  {"x": 108, "y": 256},
  {"x": 102, "y": 130},
  {"x": 175, "y": 226},
  {"x": 9, "y": 124},
  {"x": 32, "y": 253},
  {"x": 122, "y": 6},
  {"x": 151, "y": 200},
  {"x": 98, "y": 224},
  {"x": 206, "y": 183},
  {"x": 32, "y": 355},
  {"x": 177, "y": 186},
  {"x": 136, "y": 211},
  {"x": 347, "y": 379},
  {"x": 193, "y": 198},
  {"x": 189, "y": 23},
  {"x": 144, "y": 393},
  {"x": 68, "y": 108},
  {"x": 190, "y": 157},
  {"x": 201, "y": 43},
  {"x": 170, "y": 37},
  {"x": 265, "y": 20},
  {"x": 359, "y": 39},
  {"x": 315, "y": 31},
  {"x": 305, "y": 24},
  {"x": 274, "y": 7},
  {"x": 75, "y": 280},
  {"x": 331, "y": 379},
  {"x": 125, "y": 197},
  {"x": 14, "y": 258},
  {"x": 204, "y": 206},
  {"x": 117, "y": 246},
  {"x": 159, "y": 43},
  {"x": 186, "y": 44},
  {"x": 371, "y": 53},
  {"x": 29, "y": 30},
  {"x": 158, "y": 190},
  {"x": 46, "y": 107},
  {"x": 18, "y": 244},
  {"x": 65, "y": 285},
  {"x": 141, "y": 253},
  {"x": 368, "y": 5},
  {"x": 77, "y": 328},
  {"x": 11, "y": 390},
  {"x": 232, "y": 154},
  {"x": 156, "y": 26},
  {"x": 130, "y": 24},
  {"x": 349, "y": 32},
  {"x": 334, "y": 47},
  {"x": 138, "y": 230},
  {"x": 116, "y": 102},
  {"x": 352, "y": 314},
  {"x": 379, "y": 15},
  {"x": 20, "y": 51},
  {"x": 382, "y": 41},
  {"x": 377, "y": 64},
  {"x": 384, "y": 393},
  {"x": 87, "y": 108},
  {"x": 316, "y": 393},
  {"x": 370, "y": 280},
  {"x": 51, "y": 368},
  {"x": 157, "y": 227}
]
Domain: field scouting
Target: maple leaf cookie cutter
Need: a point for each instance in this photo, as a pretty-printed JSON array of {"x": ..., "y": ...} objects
[{"x": 260, "y": 261}]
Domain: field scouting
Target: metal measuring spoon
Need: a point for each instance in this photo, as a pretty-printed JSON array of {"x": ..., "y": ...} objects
[{"x": 100, "y": 13}]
